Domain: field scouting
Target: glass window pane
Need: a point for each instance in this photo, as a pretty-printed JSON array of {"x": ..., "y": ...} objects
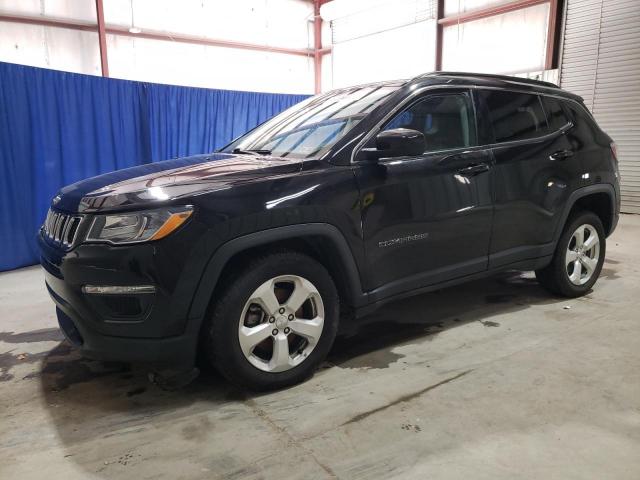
[
  {"x": 445, "y": 120},
  {"x": 515, "y": 116},
  {"x": 555, "y": 115},
  {"x": 310, "y": 128}
]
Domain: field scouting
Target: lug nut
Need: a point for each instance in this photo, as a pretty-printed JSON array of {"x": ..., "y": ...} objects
[
  {"x": 272, "y": 319},
  {"x": 290, "y": 317},
  {"x": 281, "y": 310},
  {"x": 275, "y": 332},
  {"x": 287, "y": 330}
]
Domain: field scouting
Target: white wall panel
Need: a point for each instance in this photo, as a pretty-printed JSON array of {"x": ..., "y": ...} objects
[
  {"x": 380, "y": 39},
  {"x": 399, "y": 53},
  {"x": 84, "y": 10},
  {"x": 452, "y": 7},
  {"x": 279, "y": 23},
  {"x": 509, "y": 43},
  {"x": 381, "y": 18},
  {"x": 49, "y": 47},
  {"x": 269, "y": 22},
  {"x": 211, "y": 67}
]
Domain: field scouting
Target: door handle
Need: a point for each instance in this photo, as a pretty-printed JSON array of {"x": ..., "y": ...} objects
[
  {"x": 561, "y": 155},
  {"x": 474, "y": 169}
]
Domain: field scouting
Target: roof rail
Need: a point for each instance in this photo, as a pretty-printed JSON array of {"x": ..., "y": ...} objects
[{"x": 506, "y": 78}]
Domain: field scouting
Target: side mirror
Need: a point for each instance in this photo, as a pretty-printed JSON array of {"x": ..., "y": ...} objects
[{"x": 398, "y": 142}]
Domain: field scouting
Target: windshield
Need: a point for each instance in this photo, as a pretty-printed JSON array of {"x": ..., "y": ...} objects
[{"x": 310, "y": 128}]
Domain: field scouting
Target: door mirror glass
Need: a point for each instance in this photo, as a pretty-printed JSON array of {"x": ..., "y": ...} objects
[{"x": 397, "y": 142}]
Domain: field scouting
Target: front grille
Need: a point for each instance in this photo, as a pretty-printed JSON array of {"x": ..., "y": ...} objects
[{"x": 61, "y": 228}]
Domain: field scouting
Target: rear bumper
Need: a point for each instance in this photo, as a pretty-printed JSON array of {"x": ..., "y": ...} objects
[{"x": 614, "y": 222}]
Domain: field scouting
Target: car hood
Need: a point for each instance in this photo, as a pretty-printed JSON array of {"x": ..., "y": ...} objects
[{"x": 159, "y": 182}]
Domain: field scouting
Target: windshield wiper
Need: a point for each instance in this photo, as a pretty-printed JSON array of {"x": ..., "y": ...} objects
[{"x": 252, "y": 151}]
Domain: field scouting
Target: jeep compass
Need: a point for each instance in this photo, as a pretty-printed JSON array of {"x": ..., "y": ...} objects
[{"x": 250, "y": 256}]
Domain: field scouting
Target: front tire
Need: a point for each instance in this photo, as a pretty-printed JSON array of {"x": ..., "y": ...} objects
[
  {"x": 578, "y": 257},
  {"x": 274, "y": 323}
]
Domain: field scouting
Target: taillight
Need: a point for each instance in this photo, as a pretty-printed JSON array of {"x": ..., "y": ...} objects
[
  {"x": 614, "y": 157},
  {"x": 614, "y": 151}
]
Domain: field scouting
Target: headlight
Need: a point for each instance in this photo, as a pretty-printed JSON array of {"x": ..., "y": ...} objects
[{"x": 136, "y": 227}]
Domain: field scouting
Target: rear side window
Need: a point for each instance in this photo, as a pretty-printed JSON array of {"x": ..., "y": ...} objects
[
  {"x": 515, "y": 116},
  {"x": 555, "y": 114},
  {"x": 446, "y": 120}
]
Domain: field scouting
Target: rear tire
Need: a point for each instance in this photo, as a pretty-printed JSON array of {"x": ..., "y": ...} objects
[
  {"x": 274, "y": 322},
  {"x": 578, "y": 258}
]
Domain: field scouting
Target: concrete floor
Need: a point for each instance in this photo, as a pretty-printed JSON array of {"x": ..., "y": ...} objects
[{"x": 494, "y": 379}]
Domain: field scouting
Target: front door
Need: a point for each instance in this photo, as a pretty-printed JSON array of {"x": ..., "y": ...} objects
[{"x": 427, "y": 218}]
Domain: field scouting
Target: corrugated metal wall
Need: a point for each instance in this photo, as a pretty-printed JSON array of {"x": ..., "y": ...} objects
[{"x": 601, "y": 62}]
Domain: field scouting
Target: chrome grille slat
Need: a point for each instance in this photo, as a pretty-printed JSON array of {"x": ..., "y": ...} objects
[
  {"x": 54, "y": 227},
  {"x": 50, "y": 221},
  {"x": 70, "y": 232},
  {"x": 62, "y": 220},
  {"x": 60, "y": 228}
]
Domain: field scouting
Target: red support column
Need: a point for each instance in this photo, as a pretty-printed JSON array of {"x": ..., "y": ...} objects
[
  {"x": 317, "y": 45},
  {"x": 102, "y": 38},
  {"x": 439, "y": 32},
  {"x": 551, "y": 35}
]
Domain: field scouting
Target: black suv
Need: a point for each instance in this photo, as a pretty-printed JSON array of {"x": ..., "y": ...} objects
[{"x": 350, "y": 199}]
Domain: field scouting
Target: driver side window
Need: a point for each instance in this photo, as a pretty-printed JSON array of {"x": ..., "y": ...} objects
[{"x": 446, "y": 120}]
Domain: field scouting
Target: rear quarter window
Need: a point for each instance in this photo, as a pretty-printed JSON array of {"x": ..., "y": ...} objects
[
  {"x": 555, "y": 113},
  {"x": 584, "y": 125}
]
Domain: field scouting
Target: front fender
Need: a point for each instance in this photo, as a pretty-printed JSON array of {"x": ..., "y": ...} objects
[{"x": 228, "y": 250}]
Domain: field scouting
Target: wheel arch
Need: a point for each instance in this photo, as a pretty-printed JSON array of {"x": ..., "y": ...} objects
[
  {"x": 600, "y": 199},
  {"x": 322, "y": 241}
]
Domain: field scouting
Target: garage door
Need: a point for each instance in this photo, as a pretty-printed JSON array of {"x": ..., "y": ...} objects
[{"x": 601, "y": 62}]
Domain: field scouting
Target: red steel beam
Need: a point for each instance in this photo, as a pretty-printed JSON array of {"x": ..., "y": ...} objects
[
  {"x": 439, "y": 34},
  {"x": 102, "y": 38},
  {"x": 176, "y": 37},
  {"x": 153, "y": 35},
  {"x": 551, "y": 35},
  {"x": 49, "y": 22},
  {"x": 488, "y": 12},
  {"x": 317, "y": 45}
]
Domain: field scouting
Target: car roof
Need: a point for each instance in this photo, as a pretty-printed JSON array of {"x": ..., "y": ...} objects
[
  {"x": 475, "y": 79},
  {"x": 491, "y": 80}
]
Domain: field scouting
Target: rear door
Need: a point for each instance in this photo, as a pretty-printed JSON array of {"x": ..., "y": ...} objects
[
  {"x": 427, "y": 218},
  {"x": 534, "y": 165}
]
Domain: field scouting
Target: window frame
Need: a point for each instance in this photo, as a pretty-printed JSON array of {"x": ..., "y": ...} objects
[
  {"x": 465, "y": 93},
  {"x": 409, "y": 101},
  {"x": 356, "y": 158},
  {"x": 486, "y": 114},
  {"x": 565, "y": 110},
  {"x": 544, "y": 123}
]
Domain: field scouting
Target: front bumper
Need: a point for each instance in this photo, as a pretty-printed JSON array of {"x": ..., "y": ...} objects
[
  {"x": 146, "y": 327},
  {"x": 157, "y": 351}
]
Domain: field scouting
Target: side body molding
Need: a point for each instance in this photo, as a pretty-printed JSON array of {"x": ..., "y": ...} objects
[{"x": 225, "y": 252}]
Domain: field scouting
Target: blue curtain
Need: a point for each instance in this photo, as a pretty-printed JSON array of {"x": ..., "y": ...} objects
[{"x": 57, "y": 128}]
